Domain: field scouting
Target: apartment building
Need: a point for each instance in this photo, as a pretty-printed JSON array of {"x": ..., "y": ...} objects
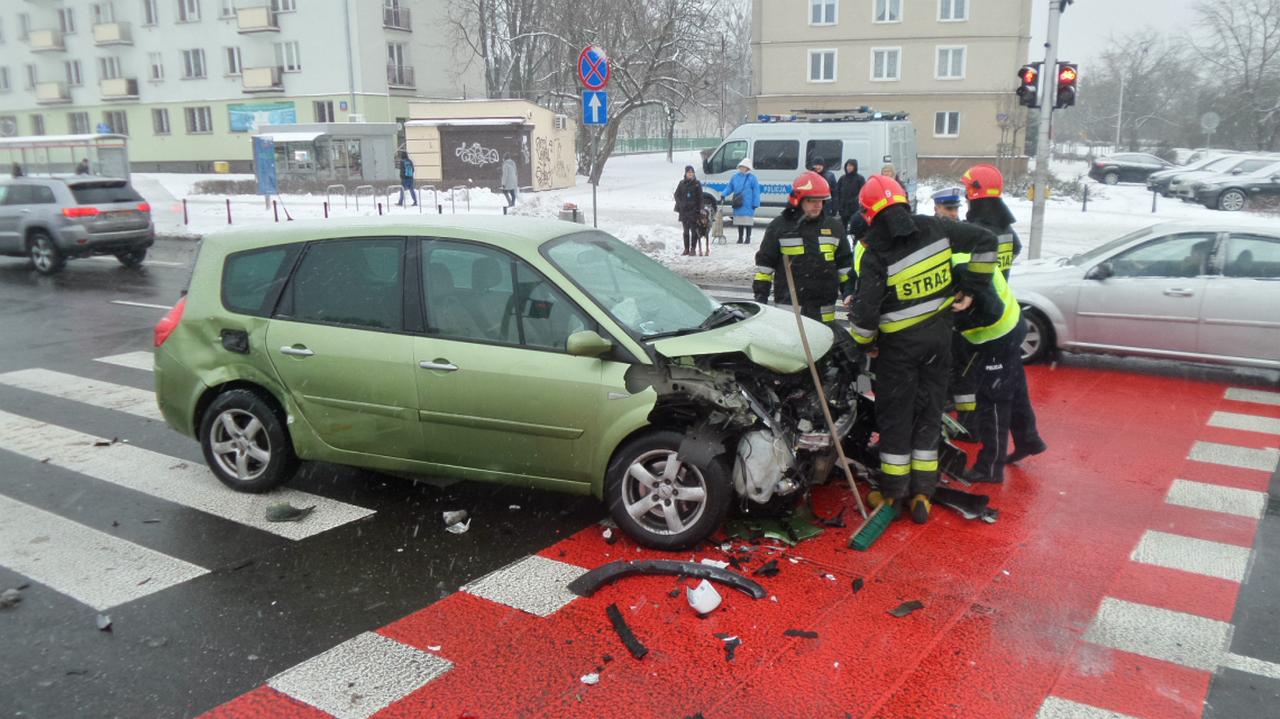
[
  {"x": 951, "y": 64},
  {"x": 189, "y": 81}
]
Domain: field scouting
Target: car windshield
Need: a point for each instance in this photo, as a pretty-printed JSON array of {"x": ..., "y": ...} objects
[
  {"x": 1221, "y": 163},
  {"x": 1091, "y": 256},
  {"x": 104, "y": 193},
  {"x": 641, "y": 294}
]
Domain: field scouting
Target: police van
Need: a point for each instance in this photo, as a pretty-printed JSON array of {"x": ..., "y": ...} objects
[{"x": 781, "y": 146}]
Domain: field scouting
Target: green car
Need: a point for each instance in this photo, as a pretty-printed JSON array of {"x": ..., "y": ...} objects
[{"x": 501, "y": 349}]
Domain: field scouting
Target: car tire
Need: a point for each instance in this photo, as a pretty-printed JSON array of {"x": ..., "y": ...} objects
[
  {"x": 1038, "y": 343},
  {"x": 639, "y": 505},
  {"x": 245, "y": 442},
  {"x": 45, "y": 255},
  {"x": 1111, "y": 178},
  {"x": 132, "y": 258},
  {"x": 1231, "y": 201}
]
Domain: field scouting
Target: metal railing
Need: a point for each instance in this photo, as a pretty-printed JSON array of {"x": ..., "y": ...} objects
[
  {"x": 328, "y": 191},
  {"x": 636, "y": 145},
  {"x": 373, "y": 192},
  {"x": 400, "y": 76},
  {"x": 396, "y": 18}
]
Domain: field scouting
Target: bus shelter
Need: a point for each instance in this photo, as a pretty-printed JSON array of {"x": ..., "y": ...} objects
[{"x": 108, "y": 155}]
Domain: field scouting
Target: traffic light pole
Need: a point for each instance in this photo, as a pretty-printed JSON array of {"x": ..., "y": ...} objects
[{"x": 1049, "y": 76}]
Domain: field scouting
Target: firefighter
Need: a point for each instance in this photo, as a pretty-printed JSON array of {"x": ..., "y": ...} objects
[
  {"x": 901, "y": 314},
  {"x": 983, "y": 186},
  {"x": 820, "y": 256},
  {"x": 993, "y": 328}
]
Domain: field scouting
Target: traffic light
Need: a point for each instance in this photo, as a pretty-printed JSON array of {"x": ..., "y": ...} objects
[
  {"x": 1068, "y": 75},
  {"x": 1029, "y": 88}
]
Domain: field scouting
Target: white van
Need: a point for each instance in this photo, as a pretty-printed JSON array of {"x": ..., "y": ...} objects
[{"x": 782, "y": 146}]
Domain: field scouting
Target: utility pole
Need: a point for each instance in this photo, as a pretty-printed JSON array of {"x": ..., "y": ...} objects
[
  {"x": 1043, "y": 132},
  {"x": 1119, "y": 113}
]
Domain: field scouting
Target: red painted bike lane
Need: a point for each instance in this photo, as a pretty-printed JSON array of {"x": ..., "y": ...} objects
[{"x": 1006, "y": 605}]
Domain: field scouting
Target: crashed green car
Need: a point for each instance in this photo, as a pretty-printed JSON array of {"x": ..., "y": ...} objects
[{"x": 500, "y": 349}]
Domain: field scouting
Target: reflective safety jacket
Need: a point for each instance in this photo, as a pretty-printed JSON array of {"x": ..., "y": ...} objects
[
  {"x": 820, "y": 260},
  {"x": 1009, "y": 245},
  {"x": 995, "y": 311},
  {"x": 907, "y": 281}
]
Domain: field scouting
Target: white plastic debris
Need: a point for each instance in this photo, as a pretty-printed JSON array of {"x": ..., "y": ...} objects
[
  {"x": 456, "y": 521},
  {"x": 591, "y": 679},
  {"x": 714, "y": 563},
  {"x": 773, "y": 598},
  {"x": 433, "y": 647},
  {"x": 459, "y": 528},
  {"x": 703, "y": 598},
  {"x": 832, "y": 577},
  {"x": 514, "y": 507}
]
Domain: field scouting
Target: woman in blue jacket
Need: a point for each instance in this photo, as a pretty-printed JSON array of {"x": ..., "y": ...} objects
[{"x": 743, "y": 193}]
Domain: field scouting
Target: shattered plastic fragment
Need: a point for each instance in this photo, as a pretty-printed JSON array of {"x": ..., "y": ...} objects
[
  {"x": 703, "y": 598},
  {"x": 801, "y": 633},
  {"x": 768, "y": 569},
  {"x": 714, "y": 563},
  {"x": 857, "y": 585},
  {"x": 830, "y": 577},
  {"x": 10, "y": 598},
  {"x": 459, "y": 528},
  {"x": 624, "y": 632},
  {"x": 104, "y": 623},
  {"x": 609, "y": 535},
  {"x": 591, "y": 679},
  {"x": 514, "y": 507},
  {"x": 906, "y": 608},
  {"x": 285, "y": 512},
  {"x": 454, "y": 516},
  {"x": 730, "y": 647}
]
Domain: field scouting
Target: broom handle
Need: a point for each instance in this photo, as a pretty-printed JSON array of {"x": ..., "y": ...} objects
[{"x": 817, "y": 383}]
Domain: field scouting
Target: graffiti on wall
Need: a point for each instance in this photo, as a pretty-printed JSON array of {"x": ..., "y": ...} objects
[
  {"x": 475, "y": 154},
  {"x": 549, "y": 166}
]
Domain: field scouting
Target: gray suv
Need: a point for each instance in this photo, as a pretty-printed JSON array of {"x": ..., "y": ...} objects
[{"x": 53, "y": 220}]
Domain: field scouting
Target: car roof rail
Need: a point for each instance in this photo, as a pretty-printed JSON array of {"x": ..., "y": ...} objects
[{"x": 856, "y": 114}]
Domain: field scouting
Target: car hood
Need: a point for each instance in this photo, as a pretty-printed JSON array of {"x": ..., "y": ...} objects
[
  {"x": 1042, "y": 266},
  {"x": 769, "y": 338}
]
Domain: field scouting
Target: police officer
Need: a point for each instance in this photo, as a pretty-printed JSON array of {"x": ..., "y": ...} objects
[
  {"x": 820, "y": 256},
  {"x": 983, "y": 187},
  {"x": 946, "y": 203},
  {"x": 819, "y": 165},
  {"x": 901, "y": 313}
]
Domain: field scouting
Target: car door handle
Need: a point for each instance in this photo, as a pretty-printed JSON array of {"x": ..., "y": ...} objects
[
  {"x": 296, "y": 351},
  {"x": 1179, "y": 292},
  {"x": 445, "y": 366}
]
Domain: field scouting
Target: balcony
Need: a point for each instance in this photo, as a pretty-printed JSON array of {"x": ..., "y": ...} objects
[
  {"x": 112, "y": 33},
  {"x": 119, "y": 88},
  {"x": 52, "y": 93},
  {"x": 45, "y": 41},
  {"x": 396, "y": 18},
  {"x": 400, "y": 76},
  {"x": 251, "y": 20},
  {"x": 262, "y": 79}
]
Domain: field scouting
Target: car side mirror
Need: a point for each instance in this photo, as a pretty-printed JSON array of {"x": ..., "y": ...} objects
[
  {"x": 1100, "y": 272},
  {"x": 587, "y": 344}
]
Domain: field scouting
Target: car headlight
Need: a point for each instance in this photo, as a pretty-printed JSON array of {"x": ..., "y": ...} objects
[{"x": 1199, "y": 186}]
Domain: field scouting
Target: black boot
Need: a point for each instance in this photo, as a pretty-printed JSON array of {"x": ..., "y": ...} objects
[
  {"x": 1022, "y": 453},
  {"x": 973, "y": 476}
]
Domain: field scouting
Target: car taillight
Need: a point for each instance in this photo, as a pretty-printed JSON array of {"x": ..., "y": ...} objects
[
  {"x": 80, "y": 211},
  {"x": 144, "y": 207},
  {"x": 169, "y": 322}
]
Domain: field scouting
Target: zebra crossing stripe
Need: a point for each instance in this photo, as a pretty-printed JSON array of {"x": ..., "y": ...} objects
[
  {"x": 1245, "y": 422},
  {"x": 134, "y": 360},
  {"x": 168, "y": 478},
  {"x": 1256, "y": 396},
  {"x": 1059, "y": 708},
  {"x": 1170, "y": 636},
  {"x": 1263, "y": 460},
  {"x": 118, "y": 397},
  {"x": 83, "y": 563},
  {"x": 1188, "y": 554}
]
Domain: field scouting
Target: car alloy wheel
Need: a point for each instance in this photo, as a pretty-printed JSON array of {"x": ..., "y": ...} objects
[
  {"x": 45, "y": 255},
  {"x": 240, "y": 445},
  {"x": 1111, "y": 178},
  {"x": 1231, "y": 201},
  {"x": 664, "y": 494},
  {"x": 1038, "y": 342}
]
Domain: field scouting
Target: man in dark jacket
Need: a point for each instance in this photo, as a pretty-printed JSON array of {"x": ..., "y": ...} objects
[
  {"x": 406, "y": 179},
  {"x": 820, "y": 256},
  {"x": 847, "y": 189},
  {"x": 819, "y": 165},
  {"x": 688, "y": 198}
]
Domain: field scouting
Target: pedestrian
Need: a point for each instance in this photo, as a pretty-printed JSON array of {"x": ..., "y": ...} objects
[
  {"x": 900, "y": 315},
  {"x": 743, "y": 194},
  {"x": 510, "y": 181},
  {"x": 888, "y": 170},
  {"x": 83, "y": 167},
  {"x": 16, "y": 170},
  {"x": 819, "y": 165},
  {"x": 820, "y": 256},
  {"x": 406, "y": 179},
  {"x": 688, "y": 198},
  {"x": 984, "y": 187},
  {"x": 847, "y": 189},
  {"x": 946, "y": 203}
]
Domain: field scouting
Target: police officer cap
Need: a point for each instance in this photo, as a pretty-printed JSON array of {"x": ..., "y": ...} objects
[{"x": 948, "y": 196}]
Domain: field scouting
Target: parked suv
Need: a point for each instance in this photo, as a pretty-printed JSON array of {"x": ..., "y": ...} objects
[
  {"x": 1126, "y": 167},
  {"x": 52, "y": 220},
  {"x": 1233, "y": 192}
]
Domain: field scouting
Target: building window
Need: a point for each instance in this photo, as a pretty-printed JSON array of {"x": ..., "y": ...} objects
[
  {"x": 227, "y": 9},
  {"x": 886, "y": 63},
  {"x": 67, "y": 20},
  {"x": 946, "y": 124},
  {"x": 156, "y": 61},
  {"x": 188, "y": 10},
  {"x": 109, "y": 68},
  {"x": 192, "y": 64},
  {"x": 117, "y": 121},
  {"x": 950, "y": 63},
  {"x": 398, "y": 71},
  {"x": 822, "y": 12},
  {"x": 78, "y": 123},
  {"x": 24, "y": 25},
  {"x": 822, "y": 66},
  {"x": 199, "y": 120},
  {"x": 160, "y": 120},
  {"x": 74, "y": 76},
  {"x": 150, "y": 14},
  {"x": 887, "y": 11},
  {"x": 289, "y": 56},
  {"x": 324, "y": 111},
  {"x": 4, "y": 79},
  {"x": 37, "y": 124},
  {"x": 32, "y": 77},
  {"x": 103, "y": 13},
  {"x": 234, "y": 67},
  {"x": 284, "y": 5},
  {"x": 953, "y": 10}
]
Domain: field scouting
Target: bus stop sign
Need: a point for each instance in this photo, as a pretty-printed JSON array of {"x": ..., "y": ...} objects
[
  {"x": 264, "y": 165},
  {"x": 593, "y": 68}
]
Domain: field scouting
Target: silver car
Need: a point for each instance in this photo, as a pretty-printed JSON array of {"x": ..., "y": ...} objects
[
  {"x": 1197, "y": 292},
  {"x": 51, "y": 220}
]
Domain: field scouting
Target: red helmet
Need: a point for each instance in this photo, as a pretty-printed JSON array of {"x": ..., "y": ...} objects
[
  {"x": 880, "y": 192},
  {"x": 809, "y": 185},
  {"x": 983, "y": 181}
]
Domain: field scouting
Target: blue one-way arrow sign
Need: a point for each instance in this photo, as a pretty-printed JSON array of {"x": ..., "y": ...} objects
[{"x": 595, "y": 107}]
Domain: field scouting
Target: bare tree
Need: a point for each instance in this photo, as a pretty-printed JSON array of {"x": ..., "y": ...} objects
[
  {"x": 508, "y": 37},
  {"x": 1242, "y": 49}
]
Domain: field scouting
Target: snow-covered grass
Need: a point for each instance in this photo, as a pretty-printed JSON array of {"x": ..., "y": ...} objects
[{"x": 635, "y": 204}]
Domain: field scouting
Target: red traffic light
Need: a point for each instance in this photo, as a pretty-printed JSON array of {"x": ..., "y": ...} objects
[
  {"x": 1028, "y": 75},
  {"x": 1067, "y": 75}
]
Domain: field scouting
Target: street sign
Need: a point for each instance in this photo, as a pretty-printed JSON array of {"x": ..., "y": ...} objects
[
  {"x": 593, "y": 68},
  {"x": 1209, "y": 121},
  {"x": 595, "y": 108},
  {"x": 264, "y": 165},
  {"x": 104, "y": 128}
]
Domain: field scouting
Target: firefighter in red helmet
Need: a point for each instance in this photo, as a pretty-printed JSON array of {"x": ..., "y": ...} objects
[
  {"x": 901, "y": 312},
  {"x": 821, "y": 259},
  {"x": 983, "y": 187}
]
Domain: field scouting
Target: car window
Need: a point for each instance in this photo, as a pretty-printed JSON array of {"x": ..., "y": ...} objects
[
  {"x": 4, "y": 192},
  {"x": 19, "y": 195},
  {"x": 1253, "y": 256},
  {"x": 251, "y": 280},
  {"x": 777, "y": 154},
  {"x": 105, "y": 194},
  {"x": 831, "y": 151},
  {"x": 358, "y": 283},
  {"x": 728, "y": 156},
  {"x": 1221, "y": 163},
  {"x": 469, "y": 294},
  {"x": 1184, "y": 255},
  {"x": 40, "y": 195}
]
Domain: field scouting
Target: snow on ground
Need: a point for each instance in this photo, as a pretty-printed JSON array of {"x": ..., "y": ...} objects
[{"x": 635, "y": 204}]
